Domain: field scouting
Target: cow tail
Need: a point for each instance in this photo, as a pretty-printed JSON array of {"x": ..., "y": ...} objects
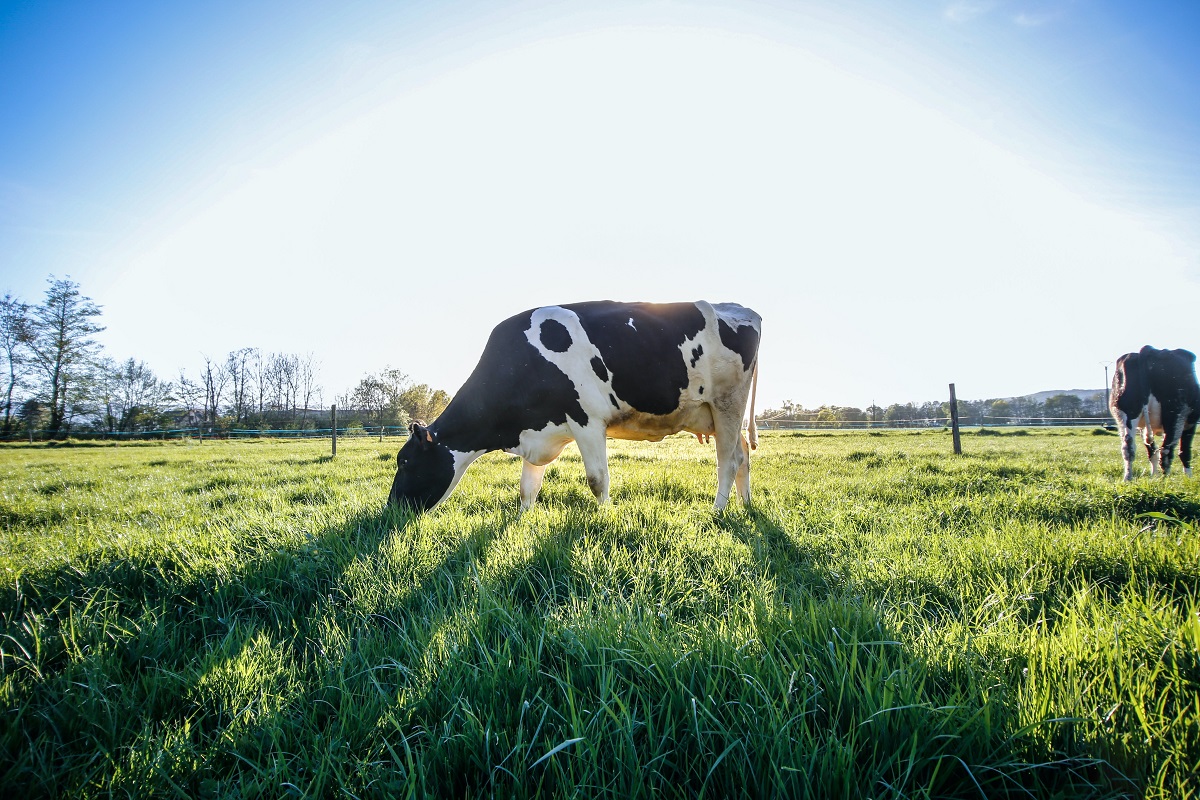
[{"x": 752, "y": 430}]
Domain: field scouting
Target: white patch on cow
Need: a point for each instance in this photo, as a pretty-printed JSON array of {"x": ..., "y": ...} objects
[
  {"x": 630, "y": 324},
  {"x": 575, "y": 362},
  {"x": 736, "y": 316},
  {"x": 541, "y": 447}
]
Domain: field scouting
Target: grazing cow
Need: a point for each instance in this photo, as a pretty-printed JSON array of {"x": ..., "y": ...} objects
[
  {"x": 1156, "y": 390},
  {"x": 586, "y": 372}
]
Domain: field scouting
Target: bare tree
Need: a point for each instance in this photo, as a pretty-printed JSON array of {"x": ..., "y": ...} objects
[
  {"x": 258, "y": 369},
  {"x": 285, "y": 382},
  {"x": 307, "y": 369},
  {"x": 16, "y": 333},
  {"x": 215, "y": 378},
  {"x": 139, "y": 397},
  {"x": 104, "y": 391},
  {"x": 191, "y": 394},
  {"x": 237, "y": 365}
]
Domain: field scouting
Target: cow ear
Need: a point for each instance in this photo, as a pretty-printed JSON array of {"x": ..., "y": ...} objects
[{"x": 421, "y": 434}]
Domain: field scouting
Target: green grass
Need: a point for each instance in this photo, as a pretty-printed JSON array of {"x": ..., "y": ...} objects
[{"x": 243, "y": 619}]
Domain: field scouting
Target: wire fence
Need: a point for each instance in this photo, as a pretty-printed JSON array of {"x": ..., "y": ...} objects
[
  {"x": 933, "y": 422},
  {"x": 390, "y": 431},
  {"x": 350, "y": 431}
]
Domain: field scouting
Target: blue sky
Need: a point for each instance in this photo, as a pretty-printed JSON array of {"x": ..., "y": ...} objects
[{"x": 999, "y": 194}]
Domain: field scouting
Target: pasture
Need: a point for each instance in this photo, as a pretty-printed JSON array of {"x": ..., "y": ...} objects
[{"x": 242, "y": 619}]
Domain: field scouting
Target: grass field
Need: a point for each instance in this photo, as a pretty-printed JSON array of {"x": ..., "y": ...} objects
[{"x": 242, "y": 619}]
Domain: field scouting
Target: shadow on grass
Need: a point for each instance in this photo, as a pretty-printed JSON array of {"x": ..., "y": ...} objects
[
  {"x": 94, "y": 655},
  {"x": 463, "y": 680}
]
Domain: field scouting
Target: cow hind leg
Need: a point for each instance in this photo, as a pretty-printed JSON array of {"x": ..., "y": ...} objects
[
  {"x": 531, "y": 483},
  {"x": 731, "y": 459},
  {"x": 1185, "y": 447},
  {"x": 1127, "y": 429},
  {"x": 742, "y": 478},
  {"x": 1172, "y": 433}
]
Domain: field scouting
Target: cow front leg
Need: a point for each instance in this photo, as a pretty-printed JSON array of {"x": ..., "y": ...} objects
[
  {"x": 593, "y": 449},
  {"x": 531, "y": 482},
  {"x": 1128, "y": 446}
]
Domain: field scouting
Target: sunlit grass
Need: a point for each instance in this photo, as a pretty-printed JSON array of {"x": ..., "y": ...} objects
[{"x": 211, "y": 619}]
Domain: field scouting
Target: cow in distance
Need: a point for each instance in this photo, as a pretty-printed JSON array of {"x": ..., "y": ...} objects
[{"x": 1156, "y": 390}]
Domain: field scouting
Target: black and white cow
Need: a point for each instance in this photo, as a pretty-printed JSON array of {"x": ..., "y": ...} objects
[
  {"x": 586, "y": 372},
  {"x": 1156, "y": 390}
]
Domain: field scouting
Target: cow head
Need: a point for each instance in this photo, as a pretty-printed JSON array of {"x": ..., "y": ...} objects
[{"x": 424, "y": 471}]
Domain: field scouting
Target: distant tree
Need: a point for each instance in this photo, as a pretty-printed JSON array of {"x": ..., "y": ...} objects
[
  {"x": 389, "y": 397},
  {"x": 238, "y": 367},
  {"x": 215, "y": 378},
  {"x": 1064, "y": 406},
  {"x": 966, "y": 414},
  {"x": 104, "y": 392},
  {"x": 138, "y": 397},
  {"x": 16, "y": 334},
  {"x": 419, "y": 401},
  {"x": 62, "y": 346},
  {"x": 933, "y": 410},
  {"x": 190, "y": 394},
  {"x": 1027, "y": 408},
  {"x": 309, "y": 390},
  {"x": 826, "y": 414},
  {"x": 371, "y": 397},
  {"x": 282, "y": 377},
  {"x": 1001, "y": 412},
  {"x": 900, "y": 413},
  {"x": 849, "y": 414},
  {"x": 1094, "y": 405},
  {"x": 33, "y": 416},
  {"x": 258, "y": 373}
]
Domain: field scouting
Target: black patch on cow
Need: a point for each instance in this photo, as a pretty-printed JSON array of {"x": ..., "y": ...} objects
[
  {"x": 743, "y": 341},
  {"x": 424, "y": 471},
  {"x": 701, "y": 390},
  {"x": 555, "y": 336},
  {"x": 697, "y": 351},
  {"x": 599, "y": 368},
  {"x": 616, "y": 405},
  {"x": 648, "y": 370},
  {"x": 512, "y": 389}
]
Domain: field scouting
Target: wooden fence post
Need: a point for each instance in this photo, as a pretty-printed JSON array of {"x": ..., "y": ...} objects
[
  {"x": 954, "y": 422},
  {"x": 333, "y": 430}
]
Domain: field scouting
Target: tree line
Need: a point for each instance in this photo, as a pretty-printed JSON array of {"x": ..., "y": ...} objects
[
  {"x": 993, "y": 411},
  {"x": 59, "y": 382}
]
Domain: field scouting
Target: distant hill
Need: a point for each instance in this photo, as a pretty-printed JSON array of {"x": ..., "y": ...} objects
[{"x": 1082, "y": 394}]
